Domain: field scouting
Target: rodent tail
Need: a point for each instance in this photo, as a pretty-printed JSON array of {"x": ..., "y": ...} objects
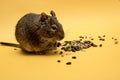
[{"x": 10, "y": 44}]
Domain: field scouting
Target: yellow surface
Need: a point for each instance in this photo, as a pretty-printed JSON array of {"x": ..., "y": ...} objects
[{"x": 79, "y": 17}]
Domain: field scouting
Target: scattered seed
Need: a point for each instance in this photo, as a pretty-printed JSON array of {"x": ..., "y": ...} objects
[
  {"x": 15, "y": 49},
  {"x": 74, "y": 57},
  {"x": 116, "y": 42},
  {"x": 64, "y": 44},
  {"x": 94, "y": 45},
  {"x": 76, "y": 45},
  {"x": 104, "y": 36},
  {"x": 102, "y": 39},
  {"x": 100, "y": 45},
  {"x": 92, "y": 39},
  {"x": 58, "y": 61},
  {"x": 76, "y": 48},
  {"x": 80, "y": 39},
  {"x": 68, "y": 42},
  {"x": 68, "y": 63},
  {"x": 87, "y": 42},
  {"x": 61, "y": 52},
  {"x": 63, "y": 48},
  {"x": 99, "y": 36}
]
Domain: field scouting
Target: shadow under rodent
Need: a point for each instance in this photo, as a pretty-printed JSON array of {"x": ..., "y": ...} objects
[{"x": 37, "y": 32}]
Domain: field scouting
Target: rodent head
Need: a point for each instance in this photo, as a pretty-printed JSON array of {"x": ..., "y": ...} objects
[{"x": 50, "y": 27}]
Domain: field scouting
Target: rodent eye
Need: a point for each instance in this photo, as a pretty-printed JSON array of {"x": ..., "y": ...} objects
[{"x": 53, "y": 28}]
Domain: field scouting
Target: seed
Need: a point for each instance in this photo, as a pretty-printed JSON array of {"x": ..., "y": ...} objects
[
  {"x": 94, "y": 45},
  {"x": 73, "y": 50},
  {"x": 68, "y": 63},
  {"x": 99, "y": 36},
  {"x": 73, "y": 43},
  {"x": 64, "y": 48},
  {"x": 78, "y": 48},
  {"x": 81, "y": 37},
  {"x": 92, "y": 39},
  {"x": 116, "y": 42},
  {"x": 67, "y": 42},
  {"x": 102, "y": 39},
  {"x": 100, "y": 45},
  {"x": 15, "y": 49},
  {"x": 61, "y": 52},
  {"x": 104, "y": 36},
  {"x": 87, "y": 42},
  {"x": 112, "y": 37},
  {"x": 64, "y": 44},
  {"x": 74, "y": 57},
  {"x": 58, "y": 44},
  {"x": 58, "y": 61},
  {"x": 75, "y": 47}
]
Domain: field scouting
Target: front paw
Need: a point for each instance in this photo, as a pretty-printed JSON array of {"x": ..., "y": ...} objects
[{"x": 58, "y": 44}]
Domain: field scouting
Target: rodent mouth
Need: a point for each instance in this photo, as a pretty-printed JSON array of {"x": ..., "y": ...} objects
[{"x": 61, "y": 37}]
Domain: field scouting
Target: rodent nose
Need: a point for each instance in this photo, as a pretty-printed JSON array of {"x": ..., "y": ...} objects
[{"x": 61, "y": 37}]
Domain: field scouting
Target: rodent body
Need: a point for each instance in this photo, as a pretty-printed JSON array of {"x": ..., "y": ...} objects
[{"x": 38, "y": 32}]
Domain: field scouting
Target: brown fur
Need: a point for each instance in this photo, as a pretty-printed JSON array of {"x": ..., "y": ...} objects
[{"x": 37, "y": 32}]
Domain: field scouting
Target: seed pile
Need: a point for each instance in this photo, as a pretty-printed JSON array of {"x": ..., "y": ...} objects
[{"x": 77, "y": 45}]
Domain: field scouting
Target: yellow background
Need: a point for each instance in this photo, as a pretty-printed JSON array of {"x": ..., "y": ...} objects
[{"x": 78, "y": 17}]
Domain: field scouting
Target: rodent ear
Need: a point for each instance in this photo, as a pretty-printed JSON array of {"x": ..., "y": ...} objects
[
  {"x": 52, "y": 13},
  {"x": 43, "y": 17}
]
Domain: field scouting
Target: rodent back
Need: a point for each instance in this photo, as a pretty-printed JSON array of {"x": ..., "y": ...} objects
[
  {"x": 26, "y": 26},
  {"x": 33, "y": 29}
]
